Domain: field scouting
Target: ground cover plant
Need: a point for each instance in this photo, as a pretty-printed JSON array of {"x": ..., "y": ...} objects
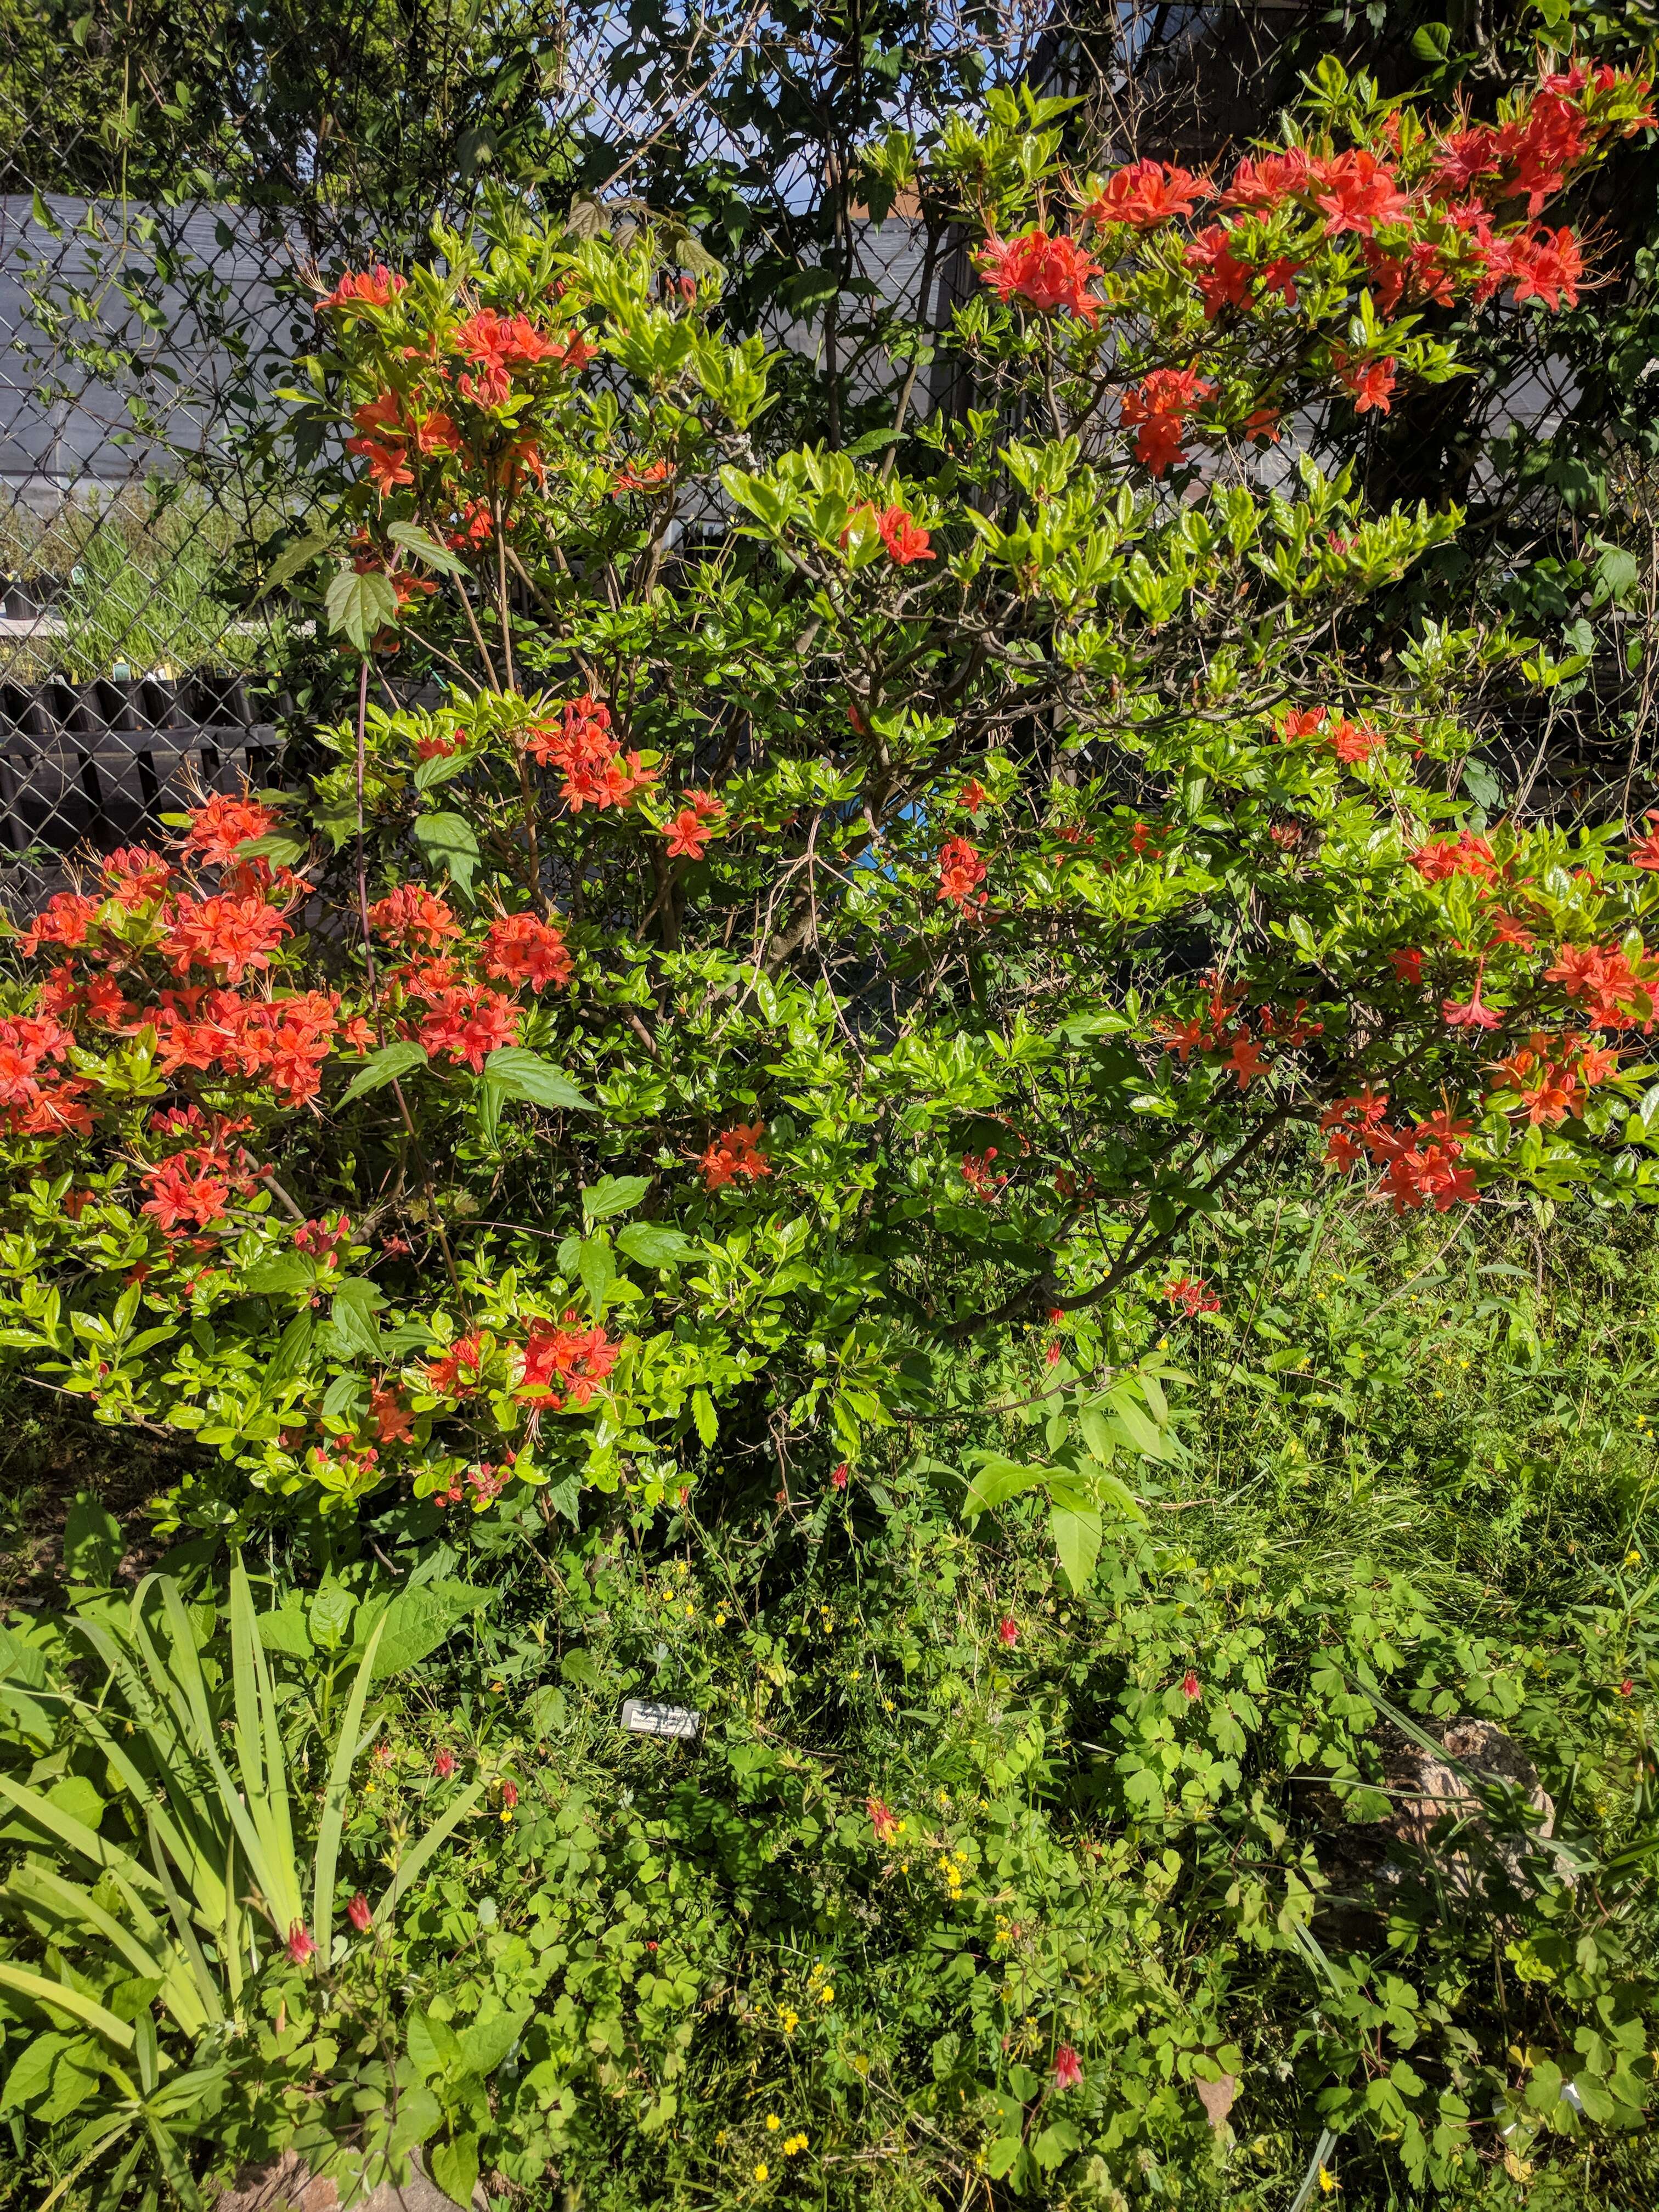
[{"x": 761, "y": 1154}]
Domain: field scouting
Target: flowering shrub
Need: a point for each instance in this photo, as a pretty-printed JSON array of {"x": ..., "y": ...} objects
[{"x": 838, "y": 913}]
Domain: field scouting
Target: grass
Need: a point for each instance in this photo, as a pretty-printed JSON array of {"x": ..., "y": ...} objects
[
  {"x": 146, "y": 569},
  {"x": 1427, "y": 1452}
]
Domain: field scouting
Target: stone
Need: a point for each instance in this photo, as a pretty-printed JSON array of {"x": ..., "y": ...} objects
[
  {"x": 286, "y": 2186},
  {"x": 1426, "y": 1788}
]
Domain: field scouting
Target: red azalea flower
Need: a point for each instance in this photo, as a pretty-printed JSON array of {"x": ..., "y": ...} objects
[
  {"x": 1007, "y": 1631},
  {"x": 736, "y": 1154},
  {"x": 838, "y": 1479},
  {"x": 358, "y": 1914},
  {"x": 365, "y": 288},
  {"x": 961, "y": 871},
  {"x": 1189, "y": 1686},
  {"x": 1049, "y": 273},
  {"x": 299, "y": 1945},
  {"x": 1157, "y": 408},
  {"x": 906, "y": 541}
]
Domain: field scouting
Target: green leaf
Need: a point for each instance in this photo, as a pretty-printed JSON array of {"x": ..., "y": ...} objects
[
  {"x": 872, "y": 442},
  {"x": 329, "y": 1615},
  {"x": 347, "y": 1744},
  {"x": 703, "y": 1411},
  {"x": 448, "y": 838},
  {"x": 1055, "y": 2144},
  {"x": 1098, "y": 1435},
  {"x": 486, "y": 2043},
  {"x": 92, "y": 1539},
  {"x": 419, "y": 2115},
  {"x": 285, "y": 1630},
  {"x": 577, "y": 1666},
  {"x": 292, "y": 558},
  {"x": 1076, "y": 1539},
  {"x": 56, "y": 1996},
  {"x": 361, "y": 605},
  {"x": 426, "y": 548},
  {"x": 417, "y": 1621},
  {"x": 385, "y": 1066},
  {"x": 614, "y": 1194},
  {"x": 1142, "y": 1431},
  {"x": 527, "y": 1076},
  {"x": 292, "y": 1352},
  {"x": 454, "y": 2167},
  {"x": 441, "y": 767},
  {"x": 283, "y": 1271},
  {"x": 999, "y": 1478},
  {"x": 597, "y": 1267},
  {"x": 276, "y": 846},
  {"x": 652, "y": 1244},
  {"x": 352, "y": 1316}
]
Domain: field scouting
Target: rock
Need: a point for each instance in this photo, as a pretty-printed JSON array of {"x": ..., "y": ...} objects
[
  {"x": 1364, "y": 1860},
  {"x": 1428, "y": 1789},
  {"x": 286, "y": 2186},
  {"x": 1216, "y": 2099}
]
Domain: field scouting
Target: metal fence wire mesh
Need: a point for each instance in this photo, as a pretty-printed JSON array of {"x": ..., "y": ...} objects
[
  {"x": 128, "y": 679},
  {"x": 162, "y": 198}
]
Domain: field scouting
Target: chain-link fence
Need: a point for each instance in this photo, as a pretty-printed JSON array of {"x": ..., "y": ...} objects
[{"x": 129, "y": 336}]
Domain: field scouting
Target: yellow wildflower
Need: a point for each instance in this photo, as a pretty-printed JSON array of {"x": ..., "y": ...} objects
[
  {"x": 762, "y": 2170},
  {"x": 1326, "y": 2181},
  {"x": 773, "y": 2122}
]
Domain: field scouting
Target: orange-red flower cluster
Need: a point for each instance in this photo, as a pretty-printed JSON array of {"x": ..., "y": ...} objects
[
  {"x": 461, "y": 1017},
  {"x": 1551, "y": 1074},
  {"x": 390, "y": 428},
  {"x": 1420, "y": 1161},
  {"x": 521, "y": 949},
  {"x": 961, "y": 872},
  {"x": 498, "y": 344},
  {"x": 284, "y": 1041},
  {"x": 1192, "y": 1294},
  {"x": 564, "y": 1363},
  {"x": 1147, "y": 193},
  {"x": 1441, "y": 857},
  {"x": 1051, "y": 273},
  {"x": 411, "y": 915},
  {"x": 689, "y": 829},
  {"x": 218, "y": 830},
  {"x": 365, "y": 288},
  {"x": 906, "y": 541},
  {"x": 735, "y": 1153},
  {"x": 1616, "y": 992},
  {"x": 596, "y": 771},
  {"x": 979, "y": 1176},
  {"x": 192, "y": 1187},
  {"x": 1157, "y": 409},
  {"x": 39, "y": 1102}
]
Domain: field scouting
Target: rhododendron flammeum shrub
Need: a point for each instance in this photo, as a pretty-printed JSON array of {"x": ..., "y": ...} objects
[{"x": 850, "y": 905}]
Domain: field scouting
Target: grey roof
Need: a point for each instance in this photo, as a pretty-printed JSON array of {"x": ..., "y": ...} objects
[{"x": 124, "y": 329}]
